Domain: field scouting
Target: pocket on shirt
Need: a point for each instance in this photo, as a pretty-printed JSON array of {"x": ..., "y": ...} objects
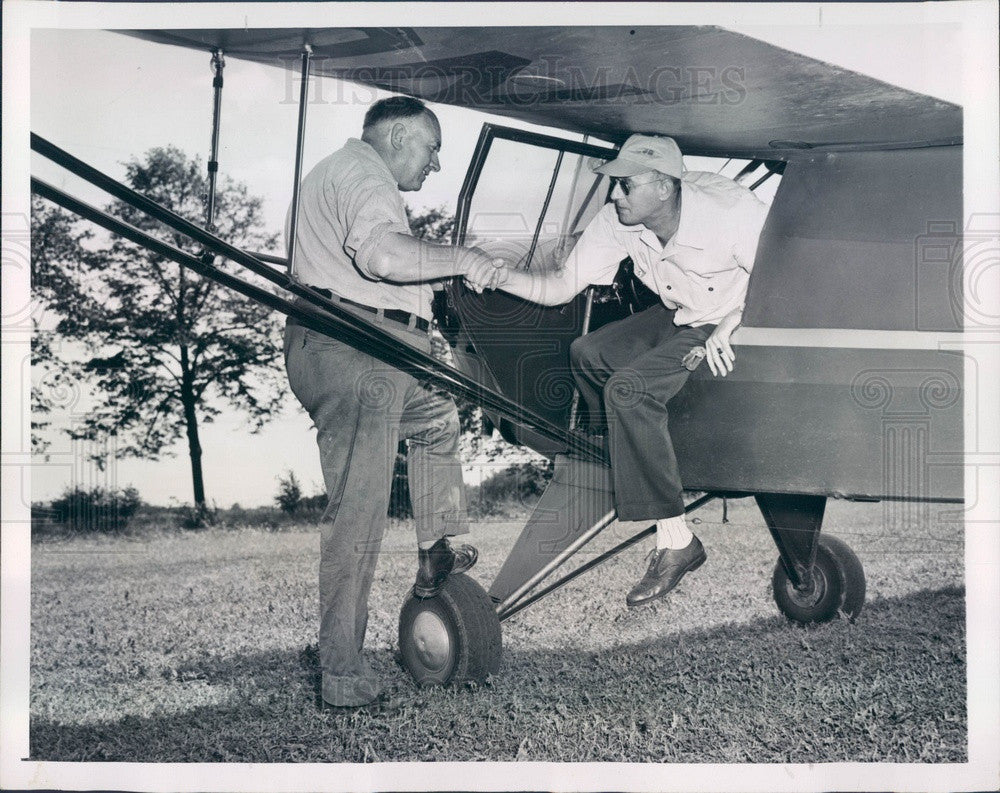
[
  {"x": 712, "y": 288},
  {"x": 707, "y": 287}
]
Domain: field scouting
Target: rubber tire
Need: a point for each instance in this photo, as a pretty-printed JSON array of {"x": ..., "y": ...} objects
[
  {"x": 838, "y": 586},
  {"x": 469, "y": 621}
]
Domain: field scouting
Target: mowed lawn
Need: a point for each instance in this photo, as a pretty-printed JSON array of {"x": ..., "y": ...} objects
[{"x": 201, "y": 646}]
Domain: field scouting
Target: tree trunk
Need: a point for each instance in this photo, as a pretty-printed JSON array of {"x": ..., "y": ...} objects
[
  {"x": 191, "y": 421},
  {"x": 188, "y": 398}
]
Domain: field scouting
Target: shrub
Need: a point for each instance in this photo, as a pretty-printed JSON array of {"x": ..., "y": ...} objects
[
  {"x": 519, "y": 481},
  {"x": 517, "y": 485},
  {"x": 96, "y": 510},
  {"x": 199, "y": 516},
  {"x": 314, "y": 505},
  {"x": 289, "y": 493}
]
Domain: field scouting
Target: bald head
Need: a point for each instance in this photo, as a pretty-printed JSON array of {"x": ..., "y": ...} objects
[{"x": 407, "y": 136}]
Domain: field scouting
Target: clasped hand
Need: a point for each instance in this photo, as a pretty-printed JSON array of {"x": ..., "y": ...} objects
[{"x": 486, "y": 274}]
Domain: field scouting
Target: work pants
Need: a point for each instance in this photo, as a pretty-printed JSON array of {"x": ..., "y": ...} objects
[
  {"x": 361, "y": 408},
  {"x": 627, "y": 371}
]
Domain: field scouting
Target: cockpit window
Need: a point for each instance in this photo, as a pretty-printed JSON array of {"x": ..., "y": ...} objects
[
  {"x": 761, "y": 176},
  {"x": 533, "y": 198},
  {"x": 528, "y": 196}
]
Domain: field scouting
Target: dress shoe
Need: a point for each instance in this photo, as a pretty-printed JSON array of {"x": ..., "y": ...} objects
[
  {"x": 436, "y": 563},
  {"x": 666, "y": 568}
]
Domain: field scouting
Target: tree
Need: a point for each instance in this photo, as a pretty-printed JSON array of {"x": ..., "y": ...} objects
[
  {"x": 58, "y": 259},
  {"x": 431, "y": 224},
  {"x": 164, "y": 347}
]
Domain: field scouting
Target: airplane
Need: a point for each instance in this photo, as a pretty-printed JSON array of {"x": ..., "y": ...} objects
[{"x": 849, "y": 380}]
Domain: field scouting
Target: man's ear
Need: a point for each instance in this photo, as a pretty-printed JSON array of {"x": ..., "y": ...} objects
[
  {"x": 397, "y": 134},
  {"x": 666, "y": 188}
]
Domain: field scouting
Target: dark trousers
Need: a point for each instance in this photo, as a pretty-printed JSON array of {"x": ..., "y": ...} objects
[
  {"x": 627, "y": 372},
  {"x": 361, "y": 408}
]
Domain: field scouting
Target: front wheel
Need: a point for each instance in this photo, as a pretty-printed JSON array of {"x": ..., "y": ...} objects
[
  {"x": 451, "y": 637},
  {"x": 837, "y": 588}
]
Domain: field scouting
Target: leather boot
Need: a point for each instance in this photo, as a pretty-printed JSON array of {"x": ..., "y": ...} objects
[{"x": 436, "y": 563}]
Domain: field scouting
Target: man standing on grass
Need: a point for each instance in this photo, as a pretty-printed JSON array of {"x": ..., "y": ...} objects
[
  {"x": 353, "y": 243},
  {"x": 692, "y": 237}
]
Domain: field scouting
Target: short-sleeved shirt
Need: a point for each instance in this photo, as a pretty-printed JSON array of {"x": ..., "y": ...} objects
[
  {"x": 347, "y": 205},
  {"x": 703, "y": 270}
]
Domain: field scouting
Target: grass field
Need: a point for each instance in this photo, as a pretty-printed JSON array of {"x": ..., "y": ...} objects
[{"x": 200, "y": 646}]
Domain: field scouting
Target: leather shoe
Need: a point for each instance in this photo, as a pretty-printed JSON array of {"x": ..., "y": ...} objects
[
  {"x": 436, "y": 563},
  {"x": 666, "y": 569}
]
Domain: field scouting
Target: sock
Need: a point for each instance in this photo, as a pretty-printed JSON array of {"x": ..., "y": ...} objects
[{"x": 672, "y": 533}]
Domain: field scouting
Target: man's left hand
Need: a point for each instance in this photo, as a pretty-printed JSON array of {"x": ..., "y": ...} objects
[{"x": 718, "y": 351}]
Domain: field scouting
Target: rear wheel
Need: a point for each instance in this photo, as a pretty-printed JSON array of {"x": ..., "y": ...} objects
[
  {"x": 837, "y": 586},
  {"x": 452, "y": 637}
]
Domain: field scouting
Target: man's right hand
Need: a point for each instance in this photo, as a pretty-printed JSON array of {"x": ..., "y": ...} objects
[
  {"x": 486, "y": 274},
  {"x": 718, "y": 351}
]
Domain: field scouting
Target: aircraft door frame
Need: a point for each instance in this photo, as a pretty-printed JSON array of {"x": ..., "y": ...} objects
[
  {"x": 497, "y": 336},
  {"x": 491, "y": 132}
]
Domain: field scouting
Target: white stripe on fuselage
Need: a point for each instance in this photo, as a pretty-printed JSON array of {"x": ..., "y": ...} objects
[{"x": 845, "y": 338}]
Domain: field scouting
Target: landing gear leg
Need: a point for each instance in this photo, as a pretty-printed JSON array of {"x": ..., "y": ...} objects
[{"x": 817, "y": 578}]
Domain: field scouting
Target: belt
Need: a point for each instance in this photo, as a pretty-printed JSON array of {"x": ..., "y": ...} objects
[{"x": 395, "y": 314}]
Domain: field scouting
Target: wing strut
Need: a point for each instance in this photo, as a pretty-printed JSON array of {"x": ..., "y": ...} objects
[
  {"x": 218, "y": 64},
  {"x": 299, "y": 146}
]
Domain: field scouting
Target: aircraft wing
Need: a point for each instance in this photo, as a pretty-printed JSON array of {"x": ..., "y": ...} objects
[{"x": 714, "y": 90}]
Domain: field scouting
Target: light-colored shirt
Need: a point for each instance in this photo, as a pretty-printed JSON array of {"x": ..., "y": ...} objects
[
  {"x": 703, "y": 270},
  {"x": 347, "y": 205}
]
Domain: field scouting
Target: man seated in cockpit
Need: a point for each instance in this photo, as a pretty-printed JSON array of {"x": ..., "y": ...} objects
[{"x": 692, "y": 237}]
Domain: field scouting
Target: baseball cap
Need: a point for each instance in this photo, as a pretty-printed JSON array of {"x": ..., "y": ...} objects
[{"x": 645, "y": 153}]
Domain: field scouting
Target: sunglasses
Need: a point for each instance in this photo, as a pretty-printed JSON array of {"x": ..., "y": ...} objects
[{"x": 627, "y": 186}]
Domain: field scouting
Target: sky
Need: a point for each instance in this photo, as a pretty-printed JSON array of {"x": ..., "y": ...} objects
[{"x": 107, "y": 97}]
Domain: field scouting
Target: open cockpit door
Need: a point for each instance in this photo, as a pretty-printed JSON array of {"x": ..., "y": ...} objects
[{"x": 527, "y": 197}]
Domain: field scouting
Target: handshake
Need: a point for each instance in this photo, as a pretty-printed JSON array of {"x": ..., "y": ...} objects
[{"x": 486, "y": 273}]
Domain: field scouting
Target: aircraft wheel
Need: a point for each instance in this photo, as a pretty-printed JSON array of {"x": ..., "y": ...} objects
[
  {"x": 451, "y": 637},
  {"x": 838, "y": 586}
]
